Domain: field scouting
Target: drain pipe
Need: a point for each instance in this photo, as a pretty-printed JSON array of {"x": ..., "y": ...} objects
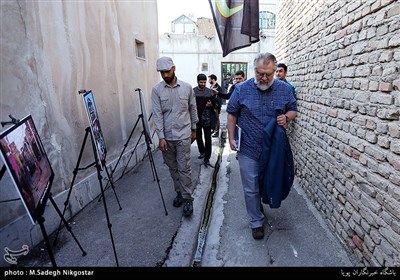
[{"x": 201, "y": 238}]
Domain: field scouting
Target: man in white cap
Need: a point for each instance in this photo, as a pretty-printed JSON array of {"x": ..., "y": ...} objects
[{"x": 175, "y": 118}]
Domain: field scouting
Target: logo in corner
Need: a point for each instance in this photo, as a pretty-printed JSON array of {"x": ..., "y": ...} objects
[{"x": 10, "y": 255}]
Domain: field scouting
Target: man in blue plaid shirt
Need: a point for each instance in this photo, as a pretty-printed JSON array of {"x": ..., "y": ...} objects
[{"x": 252, "y": 105}]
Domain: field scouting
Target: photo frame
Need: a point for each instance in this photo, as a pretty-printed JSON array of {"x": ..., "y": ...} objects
[
  {"x": 145, "y": 118},
  {"x": 95, "y": 127},
  {"x": 26, "y": 160}
]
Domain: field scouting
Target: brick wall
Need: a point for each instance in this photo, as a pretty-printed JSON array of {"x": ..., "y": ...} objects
[{"x": 343, "y": 58}]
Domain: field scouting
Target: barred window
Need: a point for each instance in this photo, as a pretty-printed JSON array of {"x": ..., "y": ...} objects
[
  {"x": 267, "y": 20},
  {"x": 231, "y": 68}
]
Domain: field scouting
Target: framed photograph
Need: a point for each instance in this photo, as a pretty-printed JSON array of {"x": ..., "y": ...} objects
[
  {"x": 145, "y": 118},
  {"x": 95, "y": 127},
  {"x": 26, "y": 160}
]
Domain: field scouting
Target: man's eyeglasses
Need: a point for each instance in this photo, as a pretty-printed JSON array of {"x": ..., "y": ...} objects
[{"x": 261, "y": 75}]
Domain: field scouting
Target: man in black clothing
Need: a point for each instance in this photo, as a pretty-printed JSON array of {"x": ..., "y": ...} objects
[
  {"x": 239, "y": 77},
  {"x": 206, "y": 104},
  {"x": 227, "y": 82},
  {"x": 218, "y": 91}
]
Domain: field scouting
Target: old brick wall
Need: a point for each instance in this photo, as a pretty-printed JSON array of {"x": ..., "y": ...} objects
[{"x": 343, "y": 58}]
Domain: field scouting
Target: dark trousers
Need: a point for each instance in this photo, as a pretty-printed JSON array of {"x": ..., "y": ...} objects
[
  {"x": 217, "y": 113},
  {"x": 204, "y": 149}
]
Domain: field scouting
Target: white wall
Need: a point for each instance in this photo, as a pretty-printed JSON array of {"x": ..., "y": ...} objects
[
  {"x": 190, "y": 51},
  {"x": 49, "y": 51}
]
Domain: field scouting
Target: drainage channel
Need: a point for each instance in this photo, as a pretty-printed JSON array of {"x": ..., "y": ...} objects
[{"x": 201, "y": 238}]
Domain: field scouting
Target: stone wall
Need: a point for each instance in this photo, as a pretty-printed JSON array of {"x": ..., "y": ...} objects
[{"x": 343, "y": 58}]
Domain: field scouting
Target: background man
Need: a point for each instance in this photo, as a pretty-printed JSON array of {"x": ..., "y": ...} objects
[
  {"x": 206, "y": 105},
  {"x": 239, "y": 77},
  {"x": 280, "y": 73},
  {"x": 175, "y": 118},
  {"x": 227, "y": 82},
  {"x": 218, "y": 91}
]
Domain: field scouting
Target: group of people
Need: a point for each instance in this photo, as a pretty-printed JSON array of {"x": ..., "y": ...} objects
[{"x": 182, "y": 114}]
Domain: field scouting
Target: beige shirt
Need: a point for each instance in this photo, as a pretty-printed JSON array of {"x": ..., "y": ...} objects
[{"x": 174, "y": 110}]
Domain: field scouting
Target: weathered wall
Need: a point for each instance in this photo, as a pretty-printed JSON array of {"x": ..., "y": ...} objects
[
  {"x": 49, "y": 51},
  {"x": 344, "y": 58}
]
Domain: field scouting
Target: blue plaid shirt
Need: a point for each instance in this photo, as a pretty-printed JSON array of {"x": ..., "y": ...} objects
[{"x": 255, "y": 108}]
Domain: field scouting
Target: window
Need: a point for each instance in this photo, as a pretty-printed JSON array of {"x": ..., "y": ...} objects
[
  {"x": 232, "y": 68},
  {"x": 139, "y": 49},
  {"x": 204, "y": 67},
  {"x": 183, "y": 25},
  {"x": 267, "y": 20},
  {"x": 183, "y": 28}
]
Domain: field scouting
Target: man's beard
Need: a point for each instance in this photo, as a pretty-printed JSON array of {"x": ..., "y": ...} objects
[
  {"x": 264, "y": 87},
  {"x": 168, "y": 80}
]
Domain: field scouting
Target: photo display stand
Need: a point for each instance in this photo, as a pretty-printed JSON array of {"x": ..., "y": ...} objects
[
  {"x": 123, "y": 151},
  {"x": 2, "y": 171},
  {"x": 148, "y": 140},
  {"x": 134, "y": 149},
  {"x": 26, "y": 160},
  {"x": 99, "y": 151}
]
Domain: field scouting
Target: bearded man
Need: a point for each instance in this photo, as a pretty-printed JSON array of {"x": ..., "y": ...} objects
[{"x": 253, "y": 104}]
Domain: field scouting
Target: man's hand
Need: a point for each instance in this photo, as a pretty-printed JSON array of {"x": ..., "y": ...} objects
[
  {"x": 232, "y": 144},
  {"x": 162, "y": 144},
  {"x": 193, "y": 137},
  {"x": 282, "y": 120}
]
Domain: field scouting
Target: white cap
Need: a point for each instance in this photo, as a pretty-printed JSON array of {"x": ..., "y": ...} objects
[{"x": 164, "y": 63}]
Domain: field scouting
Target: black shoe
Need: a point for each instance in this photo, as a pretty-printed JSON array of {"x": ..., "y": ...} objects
[
  {"x": 201, "y": 156},
  {"x": 178, "y": 200},
  {"x": 258, "y": 233},
  {"x": 188, "y": 208},
  {"x": 216, "y": 134},
  {"x": 206, "y": 162}
]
